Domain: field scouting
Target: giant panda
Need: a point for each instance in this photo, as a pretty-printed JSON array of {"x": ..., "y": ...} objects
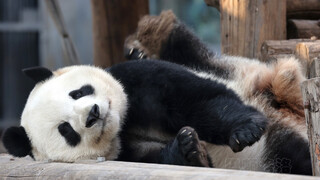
[
  {"x": 272, "y": 88},
  {"x": 142, "y": 111}
]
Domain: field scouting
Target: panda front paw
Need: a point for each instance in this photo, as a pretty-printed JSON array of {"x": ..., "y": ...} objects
[
  {"x": 248, "y": 132},
  {"x": 134, "y": 54},
  {"x": 192, "y": 149}
]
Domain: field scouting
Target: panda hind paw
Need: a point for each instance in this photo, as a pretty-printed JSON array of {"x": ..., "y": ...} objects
[{"x": 193, "y": 150}]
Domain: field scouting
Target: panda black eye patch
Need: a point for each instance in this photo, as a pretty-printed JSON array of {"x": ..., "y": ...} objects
[
  {"x": 71, "y": 136},
  {"x": 83, "y": 91}
]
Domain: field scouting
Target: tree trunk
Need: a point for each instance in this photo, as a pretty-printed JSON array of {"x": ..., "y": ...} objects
[
  {"x": 113, "y": 21},
  {"x": 246, "y": 24}
]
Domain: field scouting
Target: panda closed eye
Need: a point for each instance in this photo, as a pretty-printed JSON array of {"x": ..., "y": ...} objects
[{"x": 83, "y": 91}]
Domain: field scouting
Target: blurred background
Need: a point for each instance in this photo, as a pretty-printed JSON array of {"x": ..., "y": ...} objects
[{"x": 29, "y": 37}]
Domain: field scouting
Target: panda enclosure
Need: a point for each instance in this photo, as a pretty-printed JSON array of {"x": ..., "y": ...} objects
[{"x": 252, "y": 28}]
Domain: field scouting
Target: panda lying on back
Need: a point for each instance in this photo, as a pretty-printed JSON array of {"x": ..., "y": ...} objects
[
  {"x": 148, "y": 111},
  {"x": 274, "y": 89}
]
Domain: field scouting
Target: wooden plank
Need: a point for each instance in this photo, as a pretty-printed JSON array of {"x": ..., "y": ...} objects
[
  {"x": 246, "y": 24},
  {"x": 111, "y": 26},
  {"x": 303, "y": 29},
  {"x": 25, "y": 168}
]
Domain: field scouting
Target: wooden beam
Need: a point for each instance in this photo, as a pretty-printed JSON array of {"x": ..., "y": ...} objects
[
  {"x": 246, "y": 24},
  {"x": 113, "y": 21},
  {"x": 303, "y": 29},
  {"x": 303, "y": 9},
  {"x": 25, "y": 168}
]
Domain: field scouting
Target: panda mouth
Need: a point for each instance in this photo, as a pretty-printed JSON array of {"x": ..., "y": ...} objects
[{"x": 92, "y": 121}]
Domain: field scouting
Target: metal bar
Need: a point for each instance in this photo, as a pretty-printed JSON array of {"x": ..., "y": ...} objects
[{"x": 20, "y": 27}]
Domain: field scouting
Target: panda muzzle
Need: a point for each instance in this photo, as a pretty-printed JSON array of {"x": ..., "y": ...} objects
[{"x": 93, "y": 116}]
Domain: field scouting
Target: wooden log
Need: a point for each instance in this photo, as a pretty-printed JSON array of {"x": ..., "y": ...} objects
[
  {"x": 113, "y": 21},
  {"x": 303, "y": 29},
  {"x": 246, "y": 24},
  {"x": 308, "y": 52},
  {"x": 303, "y": 9},
  {"x": 311, "y": 99},
  {"x": 271, "y": 50},
  {"x": 25, "y": 168}
]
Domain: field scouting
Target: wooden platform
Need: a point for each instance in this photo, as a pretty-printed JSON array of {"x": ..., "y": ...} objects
[{"x": 26, "y": 168}]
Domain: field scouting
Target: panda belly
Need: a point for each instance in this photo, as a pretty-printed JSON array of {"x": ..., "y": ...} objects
[{"x": 250, "y": 158}]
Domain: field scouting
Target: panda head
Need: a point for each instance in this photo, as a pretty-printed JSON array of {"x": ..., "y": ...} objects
[{"x": 73, "y": 113}]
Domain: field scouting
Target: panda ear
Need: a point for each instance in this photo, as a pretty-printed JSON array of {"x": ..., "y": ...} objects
[
  {"x": 37, "y": 73},
  {"x": 16, "y": 141}
]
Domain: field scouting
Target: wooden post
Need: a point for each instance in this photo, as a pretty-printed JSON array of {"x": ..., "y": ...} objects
[
  {"x": 113, "y": 20},
  {"x": 310, "y": 52},
  {"x": 246, "y": 24}
]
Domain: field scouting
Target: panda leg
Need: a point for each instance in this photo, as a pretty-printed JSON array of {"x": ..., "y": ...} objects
[
  {"x": 186, "y": 149},
  {"x": 176, "y": 43}
]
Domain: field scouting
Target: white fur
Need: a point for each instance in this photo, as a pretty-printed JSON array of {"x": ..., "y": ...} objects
[
  {"x": 248, "y": 159},
  {"x": 49, "y": 105}
]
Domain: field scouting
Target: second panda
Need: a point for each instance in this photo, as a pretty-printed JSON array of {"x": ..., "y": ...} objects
[{"x": 272, "y": 88}]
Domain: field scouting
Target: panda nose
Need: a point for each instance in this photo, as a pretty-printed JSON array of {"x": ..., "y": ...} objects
[{"x": 93, "y": 116}]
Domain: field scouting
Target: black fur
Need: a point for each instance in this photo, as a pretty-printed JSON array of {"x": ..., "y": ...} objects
[
  {"x": 37, "y": 73},
  {"x": 71, "y": 136},
  {"x": 159, "y": 99},
  {"x": 287, "y": 151},
  {"x": 83, "y": 91},
  {"x": 186, "y": 149},
  {"x": 16, "y": 141}
]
